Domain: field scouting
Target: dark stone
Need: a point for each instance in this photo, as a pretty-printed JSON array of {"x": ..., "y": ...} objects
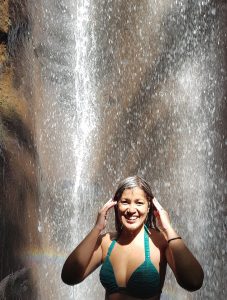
[
  {"x": 3, "y": 37},
  {"x": 16, "y": 285}
]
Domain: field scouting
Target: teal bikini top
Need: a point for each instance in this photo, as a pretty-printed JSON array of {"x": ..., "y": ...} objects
[{"x": 144, "y": 281}]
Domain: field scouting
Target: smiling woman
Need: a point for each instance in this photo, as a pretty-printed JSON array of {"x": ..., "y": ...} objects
[{"x": 139, "y": 246}]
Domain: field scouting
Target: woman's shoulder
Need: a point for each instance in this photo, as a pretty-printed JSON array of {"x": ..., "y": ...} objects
[
  {"x": 108, "y": 237},
  {"x": 157, "y": 238}
]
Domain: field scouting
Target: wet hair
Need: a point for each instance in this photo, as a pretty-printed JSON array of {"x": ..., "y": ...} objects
[{"x": 130, "y": 183}]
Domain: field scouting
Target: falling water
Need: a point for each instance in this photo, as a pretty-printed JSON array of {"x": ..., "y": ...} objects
[{"x": 120, "y": 88}]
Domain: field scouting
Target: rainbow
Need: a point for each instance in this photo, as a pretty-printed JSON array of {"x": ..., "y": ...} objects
[{"x": 46, "y": 256}]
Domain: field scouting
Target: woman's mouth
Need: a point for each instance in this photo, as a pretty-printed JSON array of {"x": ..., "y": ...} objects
[{"x": 131, "y": 219}]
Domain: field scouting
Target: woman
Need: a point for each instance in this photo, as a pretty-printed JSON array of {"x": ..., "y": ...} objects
[{"x": 134, "y": 258}]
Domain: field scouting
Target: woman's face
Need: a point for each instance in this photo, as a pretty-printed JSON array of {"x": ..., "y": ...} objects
[{"x": 133, "y": 208}]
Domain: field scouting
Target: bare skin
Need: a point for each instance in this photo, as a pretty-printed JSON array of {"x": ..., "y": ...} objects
[{"x": 128, "y": 252}]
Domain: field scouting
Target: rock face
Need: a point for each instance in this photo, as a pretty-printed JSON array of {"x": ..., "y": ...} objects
[
  {"x": 18, "y": 184},
  {"x": 16, "y": 286}
]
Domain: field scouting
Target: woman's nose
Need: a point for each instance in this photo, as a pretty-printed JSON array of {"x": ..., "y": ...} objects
[{"x": 131, "y": 208}]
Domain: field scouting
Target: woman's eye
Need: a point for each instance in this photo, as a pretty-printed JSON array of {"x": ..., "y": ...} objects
[
  {"x": 140, "y": 203},
  {"x": 124, "y": 202}
]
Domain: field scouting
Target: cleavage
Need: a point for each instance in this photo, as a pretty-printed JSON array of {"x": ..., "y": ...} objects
[{"x": 123, "y": 275}]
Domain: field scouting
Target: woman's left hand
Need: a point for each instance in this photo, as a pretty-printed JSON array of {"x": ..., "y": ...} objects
[{"x": 162, "y": 217}]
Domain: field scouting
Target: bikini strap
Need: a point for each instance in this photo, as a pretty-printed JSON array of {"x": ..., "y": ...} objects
[
  {"x": 146, "y": 242},
  {"x": 111, "y": 247}
]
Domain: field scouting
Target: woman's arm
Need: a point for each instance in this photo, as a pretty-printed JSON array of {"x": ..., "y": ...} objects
[
  {"x": 187, "y": 270},
  {"x": 88, "y": 254},
  {"x": 84, "y": 259}
]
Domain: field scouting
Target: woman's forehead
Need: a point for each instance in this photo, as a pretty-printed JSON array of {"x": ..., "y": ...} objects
[{"x": 135, "y": 192}]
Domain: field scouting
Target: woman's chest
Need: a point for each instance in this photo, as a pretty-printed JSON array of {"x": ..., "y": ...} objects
[{"x": 126, "y": 260}]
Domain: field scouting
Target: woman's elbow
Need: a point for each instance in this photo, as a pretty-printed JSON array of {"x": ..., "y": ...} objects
[
  {"x": 194, "y": 286},
  {"x": 198, "y": 281},
  {"x": 69, "y": 278},
  {"x": 70, "y": 281},
  {"x": 194, "y": 283}
]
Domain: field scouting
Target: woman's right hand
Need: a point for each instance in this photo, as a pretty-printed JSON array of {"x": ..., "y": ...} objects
[{"x": 102, "y": 215}]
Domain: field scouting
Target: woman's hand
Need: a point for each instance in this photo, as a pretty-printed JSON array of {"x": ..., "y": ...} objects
[
  {"x": 163, "y": 220},
  {"x": 102, "y": 215}
]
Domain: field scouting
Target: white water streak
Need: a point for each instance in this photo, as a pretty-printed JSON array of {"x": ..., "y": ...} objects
[{"x": 85, "y": 94}]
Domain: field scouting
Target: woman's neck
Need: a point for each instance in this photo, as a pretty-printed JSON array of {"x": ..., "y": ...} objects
[{"x": 127, "y": 236}]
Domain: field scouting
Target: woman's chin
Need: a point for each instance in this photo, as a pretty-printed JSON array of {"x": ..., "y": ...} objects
[{"x": 132, "y": 225}]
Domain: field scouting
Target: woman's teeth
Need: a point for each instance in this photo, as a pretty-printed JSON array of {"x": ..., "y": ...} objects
[{"x": 131, "y": 218}]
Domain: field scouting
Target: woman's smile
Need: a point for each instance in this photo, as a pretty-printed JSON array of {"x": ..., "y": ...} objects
[{"x": 131, "y": 219}]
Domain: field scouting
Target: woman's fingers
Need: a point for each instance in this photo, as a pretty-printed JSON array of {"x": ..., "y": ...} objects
[
  {"x": 108, "y": 202},
  {"x": 102, "y": 215},
  {"x": 157, "y": 204},
  {"x": 162, "y": 217},
  {"x": 108, "y": 205}
]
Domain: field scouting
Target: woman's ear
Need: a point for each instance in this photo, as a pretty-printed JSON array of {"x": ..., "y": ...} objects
[
  {"x": 149, "y": 208},
  {"x": 150, "y": 204}
]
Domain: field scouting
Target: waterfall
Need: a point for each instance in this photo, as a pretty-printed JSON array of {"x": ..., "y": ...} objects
[{"x": 111, "y": 89}]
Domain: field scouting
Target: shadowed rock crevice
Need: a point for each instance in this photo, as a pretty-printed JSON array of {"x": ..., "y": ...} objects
[
  {"x": 17, "y": 129},
  {"x": 3, "y": 37}
]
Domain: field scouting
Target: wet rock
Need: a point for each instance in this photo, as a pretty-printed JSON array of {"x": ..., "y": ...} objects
[{"x": 16, "y": 285}]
